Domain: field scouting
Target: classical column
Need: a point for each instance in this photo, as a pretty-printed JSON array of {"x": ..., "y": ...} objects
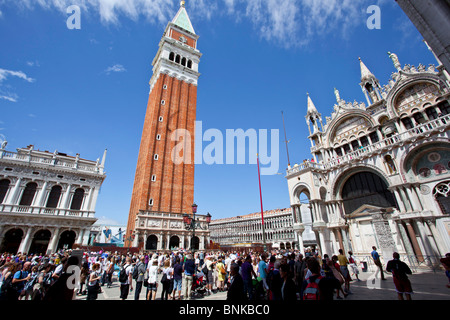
[
  {"x": 85, "y": 239},
  {"x": 436, "y": 236},
  {"x": 25, "y": 244},
  {"x": 412, "y": 236},
  {"x": 415, "y": 201},
  {"x": 54, "y": 241},
  {"x": 160, "y": 240},
  {"x": 65, "y": 200},
  {"x": 136, "y": 239},
  {"x": 202, "y": 243},
  {"x": 345, "y": 240},
  {"x": 80, "y": 236},
  {"x": 405, "y": 240},
  {"x": 416, "y": 189},
  {"x": 168, "y": 242},
  {"x": 339, "y": 235},
  {"x": 41, "y": 197},
  {"x": 14, "y": 192},
  {"x": 406, "y": 199},
  {"x": 399, "y": 200},
  {"x": 425, "y": 240}
]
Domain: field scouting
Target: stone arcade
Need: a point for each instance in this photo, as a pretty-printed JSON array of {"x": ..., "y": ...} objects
[{"x": 47, "y": 200}]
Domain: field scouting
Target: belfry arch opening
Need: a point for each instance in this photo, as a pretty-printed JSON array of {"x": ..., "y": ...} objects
[{"x": 366, "y": 188}]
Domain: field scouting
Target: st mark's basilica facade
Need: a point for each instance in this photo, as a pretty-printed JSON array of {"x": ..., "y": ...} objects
[{"x": 380, "y": 173}]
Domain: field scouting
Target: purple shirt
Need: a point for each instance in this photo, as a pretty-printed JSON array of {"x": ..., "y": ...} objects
[{"x": 246, "y": 271}]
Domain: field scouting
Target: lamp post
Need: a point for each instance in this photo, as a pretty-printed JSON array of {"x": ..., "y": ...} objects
[{"x": 193, "y": 223}]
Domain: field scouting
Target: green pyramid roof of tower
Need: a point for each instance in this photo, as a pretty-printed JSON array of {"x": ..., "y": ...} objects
[{"x": 182, "y": 20}]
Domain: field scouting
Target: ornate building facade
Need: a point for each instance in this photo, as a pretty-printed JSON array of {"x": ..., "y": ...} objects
[
  {"x": 164, "y": 181},
  {"x": 381, "y": 171},
  {"x": 47, "y": 200},
  {"x": 244, "y": 231}
]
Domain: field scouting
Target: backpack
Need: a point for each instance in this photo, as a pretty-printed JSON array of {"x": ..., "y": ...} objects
[
  {"x": 311, "y": 291},
  {"x": 205, "y": 269},
  {"x": 136, "y": 272},
  {"x": 123, "y": 277}
]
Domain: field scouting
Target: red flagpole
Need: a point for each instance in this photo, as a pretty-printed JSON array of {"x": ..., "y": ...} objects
[{"x": 262, "y": 211}]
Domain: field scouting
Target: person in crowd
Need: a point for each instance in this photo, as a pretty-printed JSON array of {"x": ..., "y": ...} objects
[
  {"x": 8, "y": 291},
  {"x": 353, "y": 266},
  {"x": 236, "y": 292},
  {"x": 343, "y": 264},
  {"x": 247, "y": 273},
  {"x": 400, "y": 271},
  {"x": 140, "y": 271},
  {"x": 262, "y": 269},
  {"x": 177, "y": 278},
  {"x": 210, "y": 274},
  {"x": 167, "y": 288},
  {"x": 152, "y": 280},
  {"x": 274, "y": 282},
  {"x": 446, "y": 264},
  {"x": 93, "y": 285},
  {"x": 189, "y": 271},
  {"x": 220, "y": 269},
  {"x": 288, "y": 290},
  {"x": 336, "y": 271},
  {"x": 20, "y": 279},
  {"x": 126, "y": 279},
  {"x": 377, "y": 261}
]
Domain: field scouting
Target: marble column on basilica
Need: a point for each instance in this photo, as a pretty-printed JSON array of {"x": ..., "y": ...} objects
[
  {"x": 405, "y": 240},
  {"x": 436, "y": 236},
  {"x": 412, "y": 236}
]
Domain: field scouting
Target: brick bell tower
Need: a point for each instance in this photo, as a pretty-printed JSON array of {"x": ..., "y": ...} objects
[{"x": 164, "y": 179}]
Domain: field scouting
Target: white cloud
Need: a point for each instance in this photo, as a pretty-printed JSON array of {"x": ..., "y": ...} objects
[
  {"x": 12, "y": 98},
  {"x": 4, "y": 74},
  {"x": 33, "y": 64},
  {"x": 288, "y": 23},
  {"x": 115, "y": 68}
]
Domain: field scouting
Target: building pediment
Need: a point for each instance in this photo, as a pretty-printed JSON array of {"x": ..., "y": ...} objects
[{"x": 365, "y": 210}]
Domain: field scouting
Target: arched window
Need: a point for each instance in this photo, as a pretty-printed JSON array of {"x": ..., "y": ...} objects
[
  {"x": 390, "y": 164},
  {"x": 4, "y": 186},
  {"x": 183, "y": 62},
  {"x": 28, "y": 194},
  {"x": 189, "y": 64},
  {"x": 408, "y": 123},
  {"x": 53, "y": 198},
  {"x": 178, "y": 58},
  {"x": 77, "y": 199},
  {"x": 366, "y": 188},
  {"x": 172, "y": 56},
  {"x": 431, "y": 113}
]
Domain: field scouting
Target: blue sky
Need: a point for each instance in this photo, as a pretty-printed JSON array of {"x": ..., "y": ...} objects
[{"x": 81, "y": 91}]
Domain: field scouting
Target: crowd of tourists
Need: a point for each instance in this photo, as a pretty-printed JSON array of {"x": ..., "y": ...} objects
[{"x": 245, "y": 276}]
